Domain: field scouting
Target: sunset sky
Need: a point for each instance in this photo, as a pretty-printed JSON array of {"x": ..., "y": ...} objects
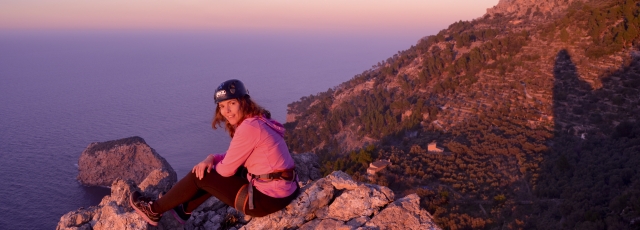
[{"x": 329, "y": 16}]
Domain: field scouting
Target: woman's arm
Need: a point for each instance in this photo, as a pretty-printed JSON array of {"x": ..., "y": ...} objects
[
  {"x": 206, "y": 164},
  {"x": 242, "y": 145}
]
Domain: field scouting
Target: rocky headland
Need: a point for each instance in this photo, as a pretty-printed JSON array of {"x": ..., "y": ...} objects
[
  {"x": 332, "y": 202},
  {"x": 101, "y": 163}
]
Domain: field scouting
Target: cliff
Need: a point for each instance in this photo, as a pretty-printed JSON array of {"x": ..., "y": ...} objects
[
  {"x": 527, "y": 8},
  {"x": 530, "y": 101},
  {"x": 333, "y": 202}
]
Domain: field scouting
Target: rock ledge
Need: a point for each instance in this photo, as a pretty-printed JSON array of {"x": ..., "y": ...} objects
[{"x": 333, "y": 202}]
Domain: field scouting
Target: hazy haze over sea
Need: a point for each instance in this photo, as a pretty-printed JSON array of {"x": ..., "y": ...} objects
[{"x": 60, "y": 91}]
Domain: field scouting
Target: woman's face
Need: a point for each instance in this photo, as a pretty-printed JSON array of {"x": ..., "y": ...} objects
[{"x": 230, "y": 109}]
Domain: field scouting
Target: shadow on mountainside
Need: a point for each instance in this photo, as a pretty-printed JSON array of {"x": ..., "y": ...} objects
[{"x": 592, "y": 163}]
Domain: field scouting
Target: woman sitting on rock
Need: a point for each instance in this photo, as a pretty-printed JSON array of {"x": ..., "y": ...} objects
[{"x": 255, "y": 175}]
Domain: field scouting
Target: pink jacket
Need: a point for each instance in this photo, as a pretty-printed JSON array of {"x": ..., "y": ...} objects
[{"x": 258, "y": 145}]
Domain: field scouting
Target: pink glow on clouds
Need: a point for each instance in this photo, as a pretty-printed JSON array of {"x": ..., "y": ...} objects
[{"x": 240, "y": 15}]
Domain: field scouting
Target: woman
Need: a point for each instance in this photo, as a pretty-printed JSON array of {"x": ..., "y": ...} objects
[{"x": 255, "y": 175}]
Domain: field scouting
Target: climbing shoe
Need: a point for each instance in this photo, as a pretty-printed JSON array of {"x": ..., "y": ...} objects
[
  {"x": 142, "y": 205},
  {"x": 180, "y": 215}
]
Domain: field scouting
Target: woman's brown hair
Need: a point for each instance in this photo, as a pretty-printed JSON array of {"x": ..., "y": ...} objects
[{"x": 248, "y": 107}]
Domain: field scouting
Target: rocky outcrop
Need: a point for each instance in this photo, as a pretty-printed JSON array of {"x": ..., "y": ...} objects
[
  {"x": 332, "y": 202},
  {"x": 101, "y": 163},
  {"x": 307, "y": 167},
  {"x": 529, "y": 7},
  {"x": 113, "y": 212}
]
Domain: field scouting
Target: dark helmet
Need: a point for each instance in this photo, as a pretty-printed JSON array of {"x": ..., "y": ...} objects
[{"x": 231, "y": 89}]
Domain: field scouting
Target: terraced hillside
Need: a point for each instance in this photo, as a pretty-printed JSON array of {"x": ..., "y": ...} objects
[{"x": 537, "y": 104}]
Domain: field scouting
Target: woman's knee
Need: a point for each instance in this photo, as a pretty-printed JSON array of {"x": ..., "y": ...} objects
[{"x": 190, "y": 176}]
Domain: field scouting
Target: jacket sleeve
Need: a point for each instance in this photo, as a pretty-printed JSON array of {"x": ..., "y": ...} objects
[
  {"x": 217, "y": 158},
  {"x": 242, "y": 145}
]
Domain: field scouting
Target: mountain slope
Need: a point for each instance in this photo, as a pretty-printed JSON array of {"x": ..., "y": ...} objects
[{"x": 519, "y": 98}]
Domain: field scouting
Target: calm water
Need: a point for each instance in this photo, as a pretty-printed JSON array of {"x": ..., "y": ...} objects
[{"x": 61, "y": 91}]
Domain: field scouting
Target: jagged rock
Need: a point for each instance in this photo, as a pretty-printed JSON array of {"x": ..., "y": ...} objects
[
  {"x": 101, "y": 163},
  {"x": 527, "y": 7},
  {"x": 404, "y": 213},
  {"x": 359, "y": 199},
  {"x": 213, "y": 214},
  {"x": 357, "y": 222},
  {"x": 307, "y": 167},
  {"x": 319, "y": 206},
  {"x": 362, "y": 201},
  {"x": 341, "y": 180},
  {"x": 157, "y": 182},
  {"x": 349, "y": 210},
  {"x": 312, "y": 198},
  {"x": 77, "y": 219},
  {"x": 113, "y": 212},
  {"x": 325, "y": 224},
  {"x": 332, "y": 202}
]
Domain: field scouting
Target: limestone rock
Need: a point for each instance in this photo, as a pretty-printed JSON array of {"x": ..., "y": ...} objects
[
  {"x": 357, "y": 222},
  {"x": 312, "y": 197},
  {"x": 101, "y": 163},
  {"x": 528, "y": 7},
  {"x": 307, "y": 167},
  {"x": 350, "y": 208},
  {"x": 77, "y": 219},
  {"x": 157, "y": 182},
  {"x": 341, "y": 180},
  {"x": 113, "y": 212},
  {"x": 333, "y": 202},
  {"x": 404, "y": 213},
  {"x": 365, "y": 200},
  {"x": 318, "y": 224},
  {"x": 320, "y": 206}
]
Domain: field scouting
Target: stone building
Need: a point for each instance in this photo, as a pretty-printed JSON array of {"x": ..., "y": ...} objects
[
  {"x": 433, "y": 147},
  {"x": 377, "y": 166}
]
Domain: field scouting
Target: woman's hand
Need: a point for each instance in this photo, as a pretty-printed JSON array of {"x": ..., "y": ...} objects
[{"x": 206, "y": 164}]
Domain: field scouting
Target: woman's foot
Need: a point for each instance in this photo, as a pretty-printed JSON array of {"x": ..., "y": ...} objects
[
  {"x": 180, "y": 215},
  {"x": 142, "y": 205}
]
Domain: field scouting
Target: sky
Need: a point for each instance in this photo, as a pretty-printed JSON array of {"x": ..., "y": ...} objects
[{"x": 311, "y": 16}]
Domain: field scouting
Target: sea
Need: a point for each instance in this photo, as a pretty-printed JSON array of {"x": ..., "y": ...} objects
[{"x": 62, "y": 90}]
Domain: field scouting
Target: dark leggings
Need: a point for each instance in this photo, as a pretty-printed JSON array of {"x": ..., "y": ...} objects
[{"x": 192, "y": 192}]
